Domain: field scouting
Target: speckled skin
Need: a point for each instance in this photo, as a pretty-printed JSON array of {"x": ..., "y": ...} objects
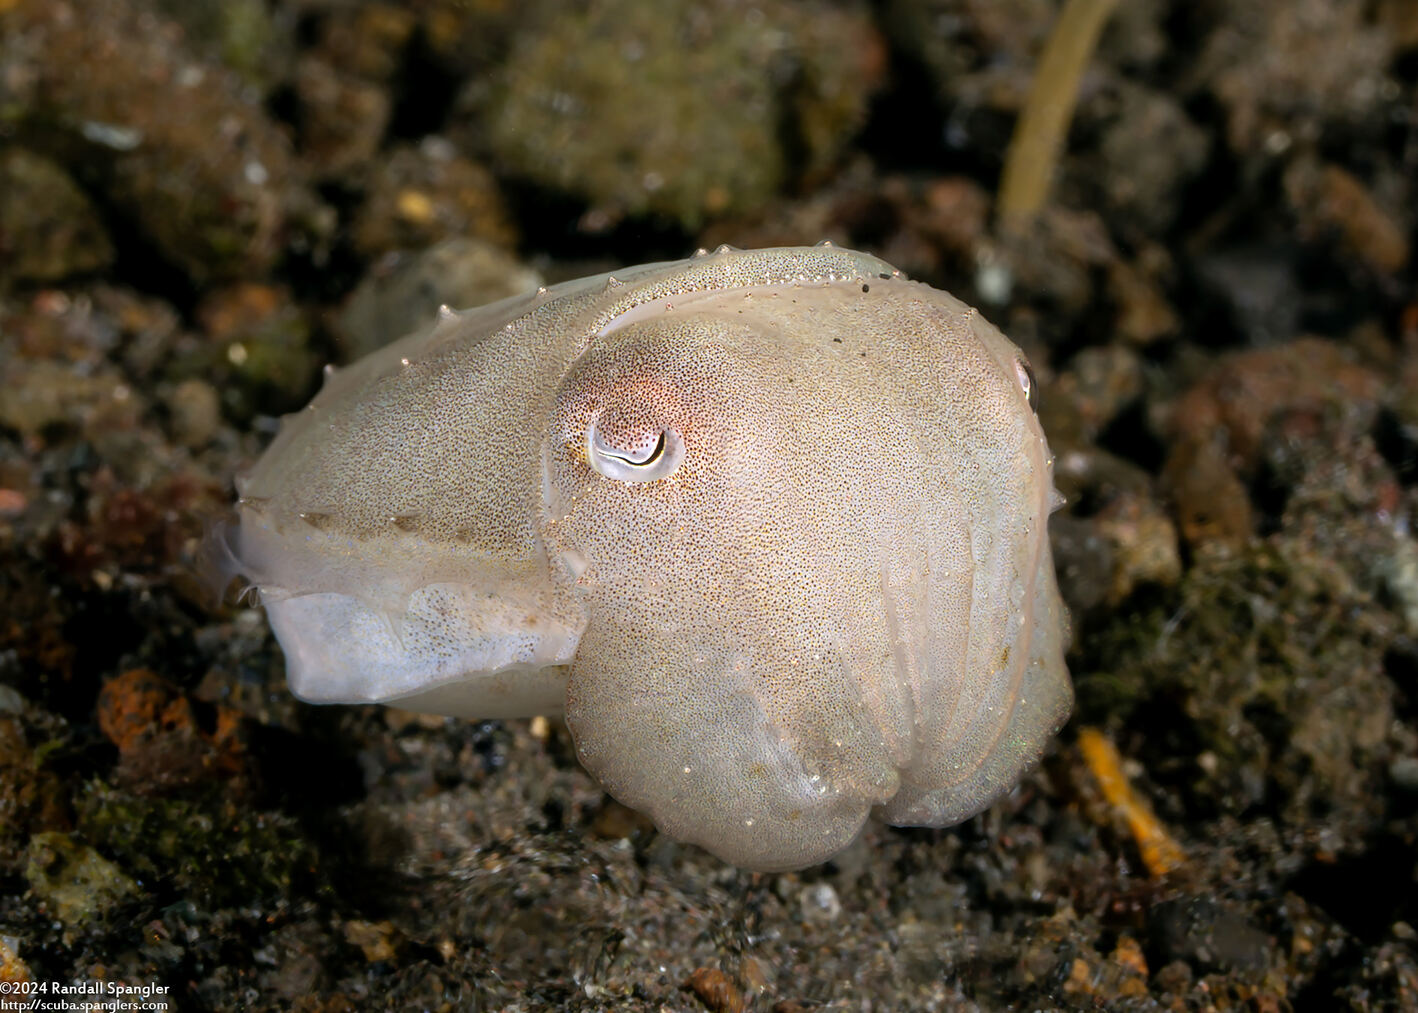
[{"x": 769, "y": 526}]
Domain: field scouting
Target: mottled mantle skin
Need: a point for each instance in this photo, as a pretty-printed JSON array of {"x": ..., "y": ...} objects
[{"x": 769, "y": 527}]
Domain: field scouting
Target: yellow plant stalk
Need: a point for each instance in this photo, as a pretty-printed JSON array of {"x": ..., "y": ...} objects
[{"x": 1039, "y": 135}]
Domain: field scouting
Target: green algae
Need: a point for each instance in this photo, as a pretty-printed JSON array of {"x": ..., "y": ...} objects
[
  {"x": 77, "y": 882},
  {"x": 1274, "y": 659},
  {"x": 49, "y": 229},
  {"x": 677, "y": 109},
  {"x": 208, "y": 849}
]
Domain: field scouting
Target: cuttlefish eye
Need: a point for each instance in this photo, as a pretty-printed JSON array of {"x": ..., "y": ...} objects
[
  {"x": 1025, "y": 374},
  {"x": 641, "y": 456}
]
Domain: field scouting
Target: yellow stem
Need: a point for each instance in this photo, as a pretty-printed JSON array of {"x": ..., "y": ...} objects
[{"x": 1043, "y": 124}]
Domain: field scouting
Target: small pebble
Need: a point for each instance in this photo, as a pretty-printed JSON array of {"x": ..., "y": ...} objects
[
  {"x": 1404, "y": 772},
  {"x": 11, "y": 702},
  {"x": 820, "y": 904},
  {"x": 196, "y": 412}
]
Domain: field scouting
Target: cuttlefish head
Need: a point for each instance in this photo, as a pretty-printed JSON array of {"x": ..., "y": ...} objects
[{"x": 778, "y": 576}]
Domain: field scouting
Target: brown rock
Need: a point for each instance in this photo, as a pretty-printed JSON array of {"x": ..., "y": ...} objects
[
  {"x": 1235, "y": 401},
  {"x": 31, "y": 798},
  {"x": 368, "y": 40},
  {"x": 136, "y": 527},
  {"x": 41, "y": 394},
  {"x": 138, "y": 705},
  {"x": 259, "y": 338},
  {"x": 377, "y": 940},
  {"x": 1143, "y": 313},
  {"x": 419, "y": 195},
  {"x": 1210, "y": 501},
  {"x": 175, "y": 143},
  {"x": 957, "y": 212},
  {"x": 1144, "y": 543},
  {"x": 716, "y": 990},
  {"x": 614, "y": 821},
  {"x": 402, "y": 291},
  {"x": 1284, "y": 70},
  {"x": 593, "y": 100},
  {"x": 1330, "y": 201},
  {"x": 343, "y": 117},
  {"x": 195, "y": 409},
  {"x": 1149, "y": 150},
  {"x": 49, "y": 229},
  {"x": 12, "y": 969},
  {"x": 1087, "y": 396}
]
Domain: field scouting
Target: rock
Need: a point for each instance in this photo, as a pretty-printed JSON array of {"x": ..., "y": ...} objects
[
  {"x": 1219, "y": 427},
  {"x": 1144, "y": 544},
  {"x": 1208, "y": 935},
  {"x": 1256, "y": 285},
  {"x": 13, "y": 970},
  {"x": 343, "y": 117},
  {"x": 1211, "y": 503},
  {"x": 420, "y": 195},
  {"x": 194, "y": 408},
  {"x": 1086, "y": 396},
  {"x": 402, "y": 292},
  {"x": 1273, "y": 661},
  {"x": 369, "y": 40},
  {"x": 1143, "y": 313},
  {"x": 31, "y": 797},
  {"x": 595, "y": 102},
  {"x": 245, "y": 35},
  {"x": 1330, "y": 202},
  {"x": 1150, "y": 149},
  {"x": 203, "y": 847},
  {"x": 1053, "y": 259},
  {"x": 976, "y": 52},
  {"x": 175, "y": 144},
  {"x": 256, "y": 349},
  {"x": 1083, "y": 558},
  {"x": 1404, "y": 772},
  {"x": 46, "y": 394},
  {"x": 77, "y": 883},
  {"x": 48, "y": 227},
  {"x": 716, "y": 990},
  {"x": 161, "y": 746},
  {"x": 377, "y": 940},
  {"x": 1285, "y": 71},
  {"x": 819, "y": 904}
]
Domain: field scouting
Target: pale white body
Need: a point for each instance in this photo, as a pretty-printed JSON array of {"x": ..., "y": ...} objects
[{"x": 769, "y": 527}]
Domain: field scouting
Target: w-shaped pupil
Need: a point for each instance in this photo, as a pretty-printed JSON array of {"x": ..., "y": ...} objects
[{"x": 636, "y": 459}]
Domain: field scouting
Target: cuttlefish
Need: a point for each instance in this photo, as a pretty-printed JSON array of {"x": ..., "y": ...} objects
[{"x": 768, "y": 527}]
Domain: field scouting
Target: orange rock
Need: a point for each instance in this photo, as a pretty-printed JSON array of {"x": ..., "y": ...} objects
[
  {"x": 161, "y": 743},
  {"x": 138, "y": 705},
  {"x": 1128, "y": 954}
]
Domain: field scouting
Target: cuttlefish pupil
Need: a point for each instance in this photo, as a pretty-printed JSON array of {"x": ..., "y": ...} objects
[
  {"x": 640, "y": 457},
  {"x": 643, "y": 461}
]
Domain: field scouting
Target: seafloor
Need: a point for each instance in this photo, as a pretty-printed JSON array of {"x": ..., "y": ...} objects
[{"x": 204, "y": 201}]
